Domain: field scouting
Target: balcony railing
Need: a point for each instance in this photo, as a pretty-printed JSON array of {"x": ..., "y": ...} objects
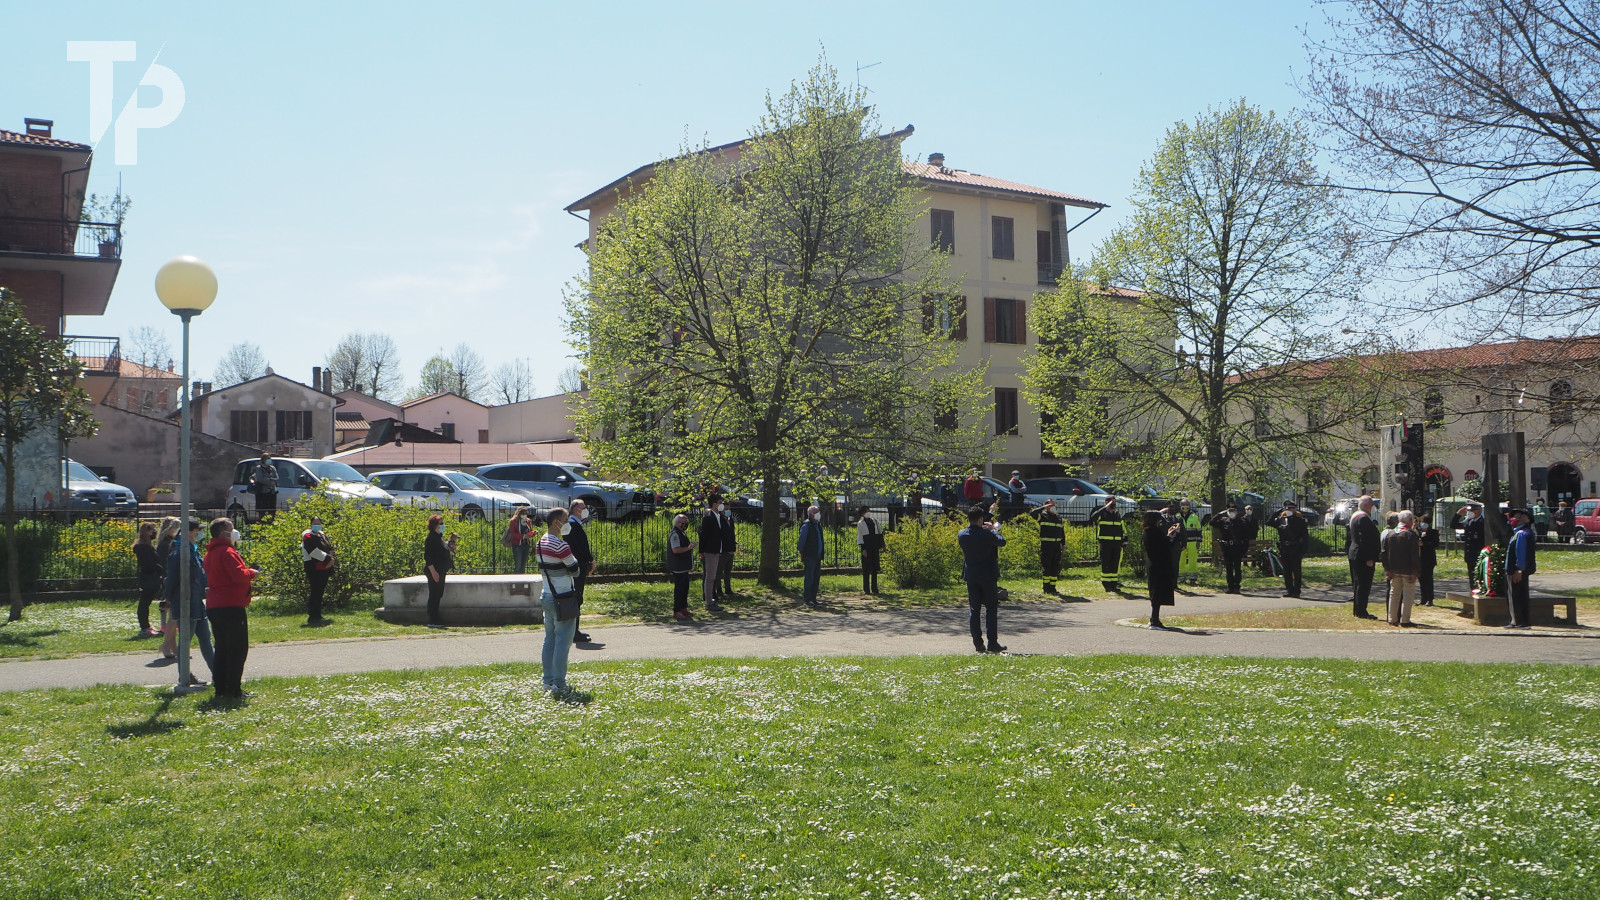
[
  {"x": 61, "y": 237},
  {"x": 99, "y": 355}
]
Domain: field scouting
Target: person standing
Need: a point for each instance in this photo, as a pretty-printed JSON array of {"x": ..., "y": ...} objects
[
  {"x": 1161, "y": 575},
  {"x": 1252, "y": 525},
  {"x": 680, "y": 565},
  {"x": 559, "y": 566},
  {"x": 972, "y": 488},
  {"x": 1541, "y": 520},
  {"x": 1472, "y": 545},
  {"x": 1292, "y": 540},
  {"x": 171, "y": 590},
  {"x": 1563, "y": 521},
  {"x": 228, "y": 582},
  {"x": 947, "y": 498},
  {"x": 730, "y": 547},
  {"x": 1362, "y": 552},
  {"x": 1110, "y": 535},
  {"x": 810, "y": 545},
  {"x": 1229, "y": 538},
  {"x": 577, "y": 537},
  {"x": 516, "y": 538},
  {"x": 1402, "y": 561},
  {"x": 264, "y": 484},
  {"x": 150, "y": 574},
  {"x": 437, "y": 561},
  {"x": 870, "y": 540},
  {"x": 1189, "y": 563},
  {"x": 1428, "y": 542},
  {"x": 1052, "y": 541},
  {"x": 711, "y": 550},
  {"x": 166, "y": 536},
  {"x": 1017, "y": 496},
  {"x": 980, "y": 568},
  {"x": 316, "y": 552},
  {"x": 1521, "y": 563}
]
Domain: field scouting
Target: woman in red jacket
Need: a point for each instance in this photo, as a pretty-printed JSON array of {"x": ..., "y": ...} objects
[{"x": 228, "y": 582}]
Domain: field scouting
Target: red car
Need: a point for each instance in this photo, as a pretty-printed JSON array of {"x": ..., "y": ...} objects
[{"x": 1586, "y": 521}]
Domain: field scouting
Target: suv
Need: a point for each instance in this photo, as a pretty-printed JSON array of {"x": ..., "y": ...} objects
[
  {"x": 87, "y": 492},
  {"x": 1586, "y": 520},
  {"x": 298, "y": 476},
  {"x": 448, "y": 489},
  {"x": 1076, "y": 499},
  {"x": 558, "y": 484}
]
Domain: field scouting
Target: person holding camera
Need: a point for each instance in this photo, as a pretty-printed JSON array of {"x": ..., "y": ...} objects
[
  {"x": 1160, "y": 537},
  {"x": 980, "y": 568},
  {"x": 870, "y": 539},
  {"x": 264, "y": 485},
  {"x": 316, "y": 552},
  {"x": 560, "y": 568}
]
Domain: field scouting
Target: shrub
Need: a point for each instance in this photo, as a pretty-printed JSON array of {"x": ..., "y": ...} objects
[
  {"x": 1019, "y": 558},
  {"x": 919, "y": 555}
]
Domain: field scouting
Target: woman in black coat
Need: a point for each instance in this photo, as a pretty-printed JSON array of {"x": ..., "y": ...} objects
[
  {"x": 437, "y": 561},
  {"x": 1161, "y": 572}
]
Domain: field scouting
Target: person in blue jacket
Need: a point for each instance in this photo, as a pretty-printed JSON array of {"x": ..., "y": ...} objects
[
  {"x": 810, "y": 546},
  {"x": 1520, "y": 564},
  {"x": 171, "y": 589},
  {"x": 980, "y": 567}
]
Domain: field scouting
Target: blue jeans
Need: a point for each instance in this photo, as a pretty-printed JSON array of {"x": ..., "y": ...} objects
[
  {"x": 202, "y": 630},
  {"x": 557, "y": 644},
  {"x": 813, "y": 579}
]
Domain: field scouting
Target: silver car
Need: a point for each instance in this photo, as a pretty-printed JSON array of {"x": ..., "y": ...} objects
[
  {"x": 448, "y": 489},
  {"x": 87, "y": 492},
  {"x": 563, "y": 483},
  {"x": 298, "y": 476}
]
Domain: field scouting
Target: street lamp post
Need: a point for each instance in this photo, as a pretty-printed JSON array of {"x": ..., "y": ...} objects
[{"x": 186, "y": 286}]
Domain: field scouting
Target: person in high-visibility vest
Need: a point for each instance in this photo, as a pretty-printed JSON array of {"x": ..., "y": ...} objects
[
  {"x": 1052, "y": 538},
  {"x": 1189, "y": 562},
  {"x": 1110, "y": 535}
]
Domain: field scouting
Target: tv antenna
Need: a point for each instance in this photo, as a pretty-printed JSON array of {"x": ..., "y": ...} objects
[{"x": 860, "y": 68}]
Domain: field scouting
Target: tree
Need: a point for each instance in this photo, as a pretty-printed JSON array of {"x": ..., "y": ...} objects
[
  {"x": 39, "y": 391},
  {"x": 148, "y": 346},
  {"x": 758, "y": 315},
  {"x": 369, "y": 362},
  {"x": 571, "y": 380},
  {"x": 241, "y": 362},
  {"x": 1472, "y": 128},
  {"x": 472, "y": 373},
  {"x": 438, "y": 375},
  {"x": 512, "y": 382},
  {"x": 1214, "y": 363}
]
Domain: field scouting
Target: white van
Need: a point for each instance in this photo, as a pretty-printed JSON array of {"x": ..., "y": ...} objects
[{"x": 297, "y": 476}]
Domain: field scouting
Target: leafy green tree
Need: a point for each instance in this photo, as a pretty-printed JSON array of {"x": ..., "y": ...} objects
[
  {"x": 757, "y": 314},
  {"x": 1210, "y": 358},
  {"x": 39, "y": 391}
]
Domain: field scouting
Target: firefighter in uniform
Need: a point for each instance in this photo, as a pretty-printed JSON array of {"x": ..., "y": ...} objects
[
  {"x": 1189, "y": 562},
  {"x": 1110, "y": 535},
  {"x": 1052, "y": 538}
]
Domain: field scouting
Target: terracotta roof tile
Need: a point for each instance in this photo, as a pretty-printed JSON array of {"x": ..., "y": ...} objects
[
  {"x": 16, "y": 137},
  {"x": 940, "y": 174}
]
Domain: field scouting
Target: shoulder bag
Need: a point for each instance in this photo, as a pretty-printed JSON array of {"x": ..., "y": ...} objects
[{"x": 568, "y": 601}]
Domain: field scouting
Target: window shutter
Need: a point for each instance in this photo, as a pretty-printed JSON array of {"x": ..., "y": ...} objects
[
  {"x": 988, "y": 320},
  {"x": 283, "y": 425},
  {"x": 261, "y": 426},
  {"x": 928, "y": 312},
  {"x": 958, "y": 318},
  {"x": 1019, "y": 321},
  {"x": 233, "y": 426}
]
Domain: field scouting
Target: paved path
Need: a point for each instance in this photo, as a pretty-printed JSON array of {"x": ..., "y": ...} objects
[{"x": 1058, "y": 628}]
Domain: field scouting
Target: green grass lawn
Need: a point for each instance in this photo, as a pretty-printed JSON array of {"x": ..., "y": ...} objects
[{"x": 949, "y": 777}]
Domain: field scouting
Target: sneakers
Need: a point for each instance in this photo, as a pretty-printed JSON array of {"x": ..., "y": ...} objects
[
  {"x": 996, "y": 648},
  {"x": 580, "y": 637},
  {"x": 682, "y": 615}
]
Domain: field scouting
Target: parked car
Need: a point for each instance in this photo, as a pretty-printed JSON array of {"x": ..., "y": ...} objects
[
  {"x": 747, "y": 505},
  {"x": 563, "y": 483},
  {"x": 1586, "y": 520},
  {"x": 297, "y": 476},
  {"x": 1076, "y": 499},
  {"x": 86, "y": 492},
  {"x": 449, "y": 489}
]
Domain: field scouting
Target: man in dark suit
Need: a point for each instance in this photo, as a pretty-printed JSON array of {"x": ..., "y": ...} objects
[
  {"x": 1292, "y": 541},
  {"x": 578, "y": 540},
  {"x": 1231, "y": 538},
  {"x": 980, "y": 567},
  {"x": 1363, "y": 554},
  {"x": 730, "y": 545},
  {"x": 1472, "y": 544},
  {"x": 711, "y": 549}
]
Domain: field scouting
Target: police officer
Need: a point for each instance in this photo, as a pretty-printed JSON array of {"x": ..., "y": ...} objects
[
  {"x": 1292, "y": 540},
  {"x": 1110, "y": 535},
  {"x": 1052, "y": 539},
  {"x": 1231, "y": 538}
]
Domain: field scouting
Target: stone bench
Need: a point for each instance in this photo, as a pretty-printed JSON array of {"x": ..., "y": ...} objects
[
  {"x": 468, "y": 600},
  {"x": 1497, "y": 610}
]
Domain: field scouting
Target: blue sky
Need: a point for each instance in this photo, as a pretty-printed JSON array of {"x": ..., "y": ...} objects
[{"x": 403, "y": 168}]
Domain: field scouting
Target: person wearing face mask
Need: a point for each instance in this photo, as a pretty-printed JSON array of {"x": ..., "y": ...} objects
[
  {"x": 680, "y": 565},
  {"x": 577, "y": 537},
  {"x": 711, "y": 550},
  {"x": 316, "y": 552},
  {"x": 1230, "y": 538},
  {"x": 1189, "y": 555},
  {"x": 1292, "y": 540},
  {"x": 730, "y": 546},
  {"x": 980, "y": 568},
  {"x": 228, "y": 582},
  {"x": 810, "y": 545},
  {"x": 1472, "y": 545},
  {"x": 559, "y": 565},
  {"x": 437, "y": 561}
]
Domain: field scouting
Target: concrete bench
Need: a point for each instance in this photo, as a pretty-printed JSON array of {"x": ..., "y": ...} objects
[
  {"x": 1497, "y": 610},
  {"x": 468, "y": 600}
]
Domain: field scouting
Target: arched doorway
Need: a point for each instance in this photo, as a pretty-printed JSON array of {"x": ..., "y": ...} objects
[
  {"x": 1565, "y": 482},
  {"x": 1438, "y": 481}
]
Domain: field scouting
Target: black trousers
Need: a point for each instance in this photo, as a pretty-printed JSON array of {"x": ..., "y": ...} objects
[
  {"x": 577, "y": 585},
  {"x": 1110, "y": 563},
  {"x": 435, "y": 594},
  {"x": 266, "y": 503},
  {"x": 149, "y": 586},
  {"x": 1472, "y": 567},
  {"x": 680, "y": 590},
  {"x": 871, "y": 563},
  {"x": 984, "y": 602},
  {"x": 1425, "y": 585},
  {"x": 1291, "y": 571},
  {"x": 1233, "y": 563},
  {"x": 1519, "y": 600},
  {"x": 1361, "y": 581},
  {"x": 725, "y": 574},
  {"x": 318, "y": 579},
  {"x": 1050, "y": 562},
  {"x": 230, "y": 634}
]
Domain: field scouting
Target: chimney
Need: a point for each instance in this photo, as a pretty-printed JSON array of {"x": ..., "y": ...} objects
[
  {"x": 361, "y": 389},
  {"x": 327, "y": 381},
  {"x": 38, "y": 127},
  {"x": 936, "y": 159},
  {"x": 205, "y": 388},
  {"x": 196, "y": 389},
  {"x": 316, "y": 378}
]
